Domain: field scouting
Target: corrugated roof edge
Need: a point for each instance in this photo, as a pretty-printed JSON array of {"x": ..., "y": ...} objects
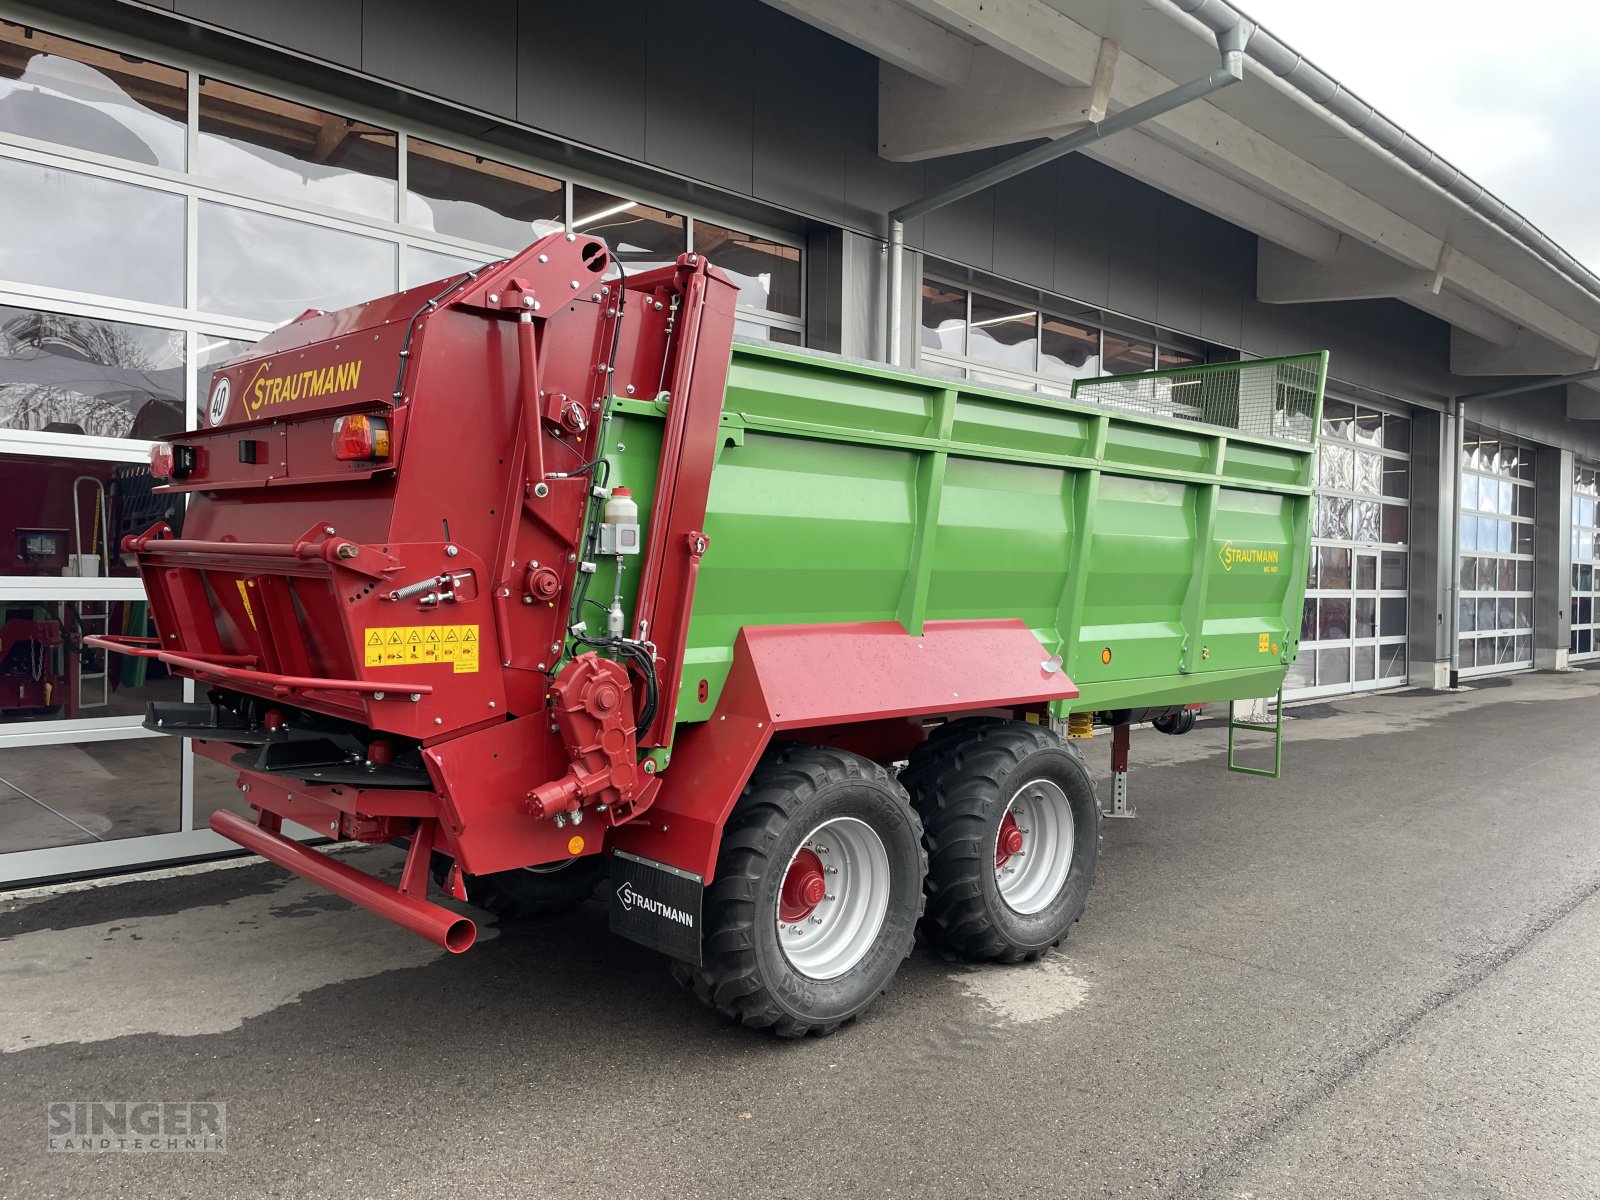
[{"x": 1283, "y": 61}]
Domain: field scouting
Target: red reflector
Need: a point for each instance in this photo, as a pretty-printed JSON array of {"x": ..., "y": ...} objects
[
  {"x": 359, "y": 436},
  {"x": 161, "y": 461}
]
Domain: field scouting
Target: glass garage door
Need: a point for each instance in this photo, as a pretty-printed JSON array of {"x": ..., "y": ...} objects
[
  {"x": 1585, "y": 562},
  {"x": 1353, "y": 630},
  {"x": 1496, "y": 553}
]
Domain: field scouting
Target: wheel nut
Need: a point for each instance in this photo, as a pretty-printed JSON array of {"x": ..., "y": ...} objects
[{"x": 816, "y": 920}]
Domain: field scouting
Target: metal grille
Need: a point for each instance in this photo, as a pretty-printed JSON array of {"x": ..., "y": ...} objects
[{"x": 1265, "y": 397}]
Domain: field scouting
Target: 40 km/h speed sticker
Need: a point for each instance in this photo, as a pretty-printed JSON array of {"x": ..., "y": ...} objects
[{"x": 406, "y": 645}]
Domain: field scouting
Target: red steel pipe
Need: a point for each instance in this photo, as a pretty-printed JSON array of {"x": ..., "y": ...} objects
[{"x": 439, "y": 925}]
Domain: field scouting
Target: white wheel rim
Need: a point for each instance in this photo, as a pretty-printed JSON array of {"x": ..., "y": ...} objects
[
  {"x": 1031, "y": 877},
  {"x": 834, "y": 933}
]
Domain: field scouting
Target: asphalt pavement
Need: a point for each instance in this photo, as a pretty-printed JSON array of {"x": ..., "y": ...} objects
[{"x": 1376, "y": 977}]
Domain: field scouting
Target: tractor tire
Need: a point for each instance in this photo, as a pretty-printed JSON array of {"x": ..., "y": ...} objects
[
  {"x": 531, "y": 892},
  {"x": 816, "y": 897},
  {"x": 989, "y": 791}
]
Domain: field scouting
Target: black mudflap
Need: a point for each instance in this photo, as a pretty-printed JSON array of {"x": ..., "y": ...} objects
[{"x": 656, "y": 905}]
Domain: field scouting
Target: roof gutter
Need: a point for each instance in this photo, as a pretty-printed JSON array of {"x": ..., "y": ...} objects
[
  {"x": 1302, "y": 76},
  {"x": 1230, "y": 45}
]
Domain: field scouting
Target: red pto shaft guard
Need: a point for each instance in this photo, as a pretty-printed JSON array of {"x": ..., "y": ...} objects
[{"x": 592, "y": 703}]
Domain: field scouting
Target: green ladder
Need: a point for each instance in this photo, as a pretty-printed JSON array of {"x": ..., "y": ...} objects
[{"x": 1277, "y": 740}]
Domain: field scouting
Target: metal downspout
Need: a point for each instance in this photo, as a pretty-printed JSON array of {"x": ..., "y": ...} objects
[
  {"x": 1458, "y": 429},
  {"x": 1292, "y": 69},
  {"x": 1230, "y": 44}
]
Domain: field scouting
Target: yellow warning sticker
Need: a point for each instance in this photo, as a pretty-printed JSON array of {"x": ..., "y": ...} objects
[{"x": 405, "y": 645}]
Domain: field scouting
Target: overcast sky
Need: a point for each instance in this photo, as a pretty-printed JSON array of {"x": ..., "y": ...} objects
[{"x": 1510, "y": 93}]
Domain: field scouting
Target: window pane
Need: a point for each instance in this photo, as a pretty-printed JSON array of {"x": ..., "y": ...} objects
[
  {"x": 1369, "y": 471},
  {"x": 1338, "y": 519},
  {"x": 1395, "y": 521},
  {"x": 43, "y": 676},
  {"x": 767, "y": 333},
  {"x": 1366, "y": 521},
  {"x": 1338, "y": 419},
  {"x": 1366, "y": 619},
  {"x": 1333, "y": 666},
  {"x": 93, "y": 791},
  {"x": 425, "y": 266},
  {"x": 1364, "y": 660},
  {"x": 944, "y": 318},
  {"x": 1003, "y": 333},
  {"x": 291, "y": 150},
  {"x": 73, "y": 94},
  {"x": 1369, "y": 428},
  {"x": 1336, "y": 466},
  {"x": 1069, "y": 350},
  {"x": 1367, "y": 572},
  {"x": 1397, "y": 433},
  {"x": 639, "y": 235},
  {"x": 66, "y": 230},
  {"x": 1170, "y": 359},
  {"x": 64, "y": 374},
  {"x": 273, "y": 269},
  {"x": 1393, "y": 572},
  {"x": 479, "y": 199},
  {"x": 1335, "y": 567},
  {"x": 1392, "y": 662},
  {"x": 768, "y": 274},
  {"x": 1396, "y": 478},
  {"x": 1333, "y": 620},
  {"x": 1392, "y": 616},
  {"x": 1127, "y": 356}
]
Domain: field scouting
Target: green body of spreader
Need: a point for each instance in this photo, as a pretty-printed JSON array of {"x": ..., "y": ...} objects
[{"x": 1152, "y": 531}]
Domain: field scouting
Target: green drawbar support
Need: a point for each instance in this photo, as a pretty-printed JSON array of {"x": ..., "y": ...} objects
[{"x": 1277, "y": 740}]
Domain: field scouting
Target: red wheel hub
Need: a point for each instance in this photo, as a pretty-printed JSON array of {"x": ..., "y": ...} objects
[
  {"x": 803, "y": 887},
  {"x": 1009, "y": 842}
]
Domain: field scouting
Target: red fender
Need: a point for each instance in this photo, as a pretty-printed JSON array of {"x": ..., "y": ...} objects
[{"x": 794, "y": 677}]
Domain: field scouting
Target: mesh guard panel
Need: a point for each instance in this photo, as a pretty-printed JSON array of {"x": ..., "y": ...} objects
[{"x": 1265, "y": 397}]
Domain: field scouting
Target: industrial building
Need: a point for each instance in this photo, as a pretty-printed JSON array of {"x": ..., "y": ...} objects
[{"x": 180, "y": 178}]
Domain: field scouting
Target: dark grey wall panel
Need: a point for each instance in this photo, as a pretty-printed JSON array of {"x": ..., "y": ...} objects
[
  {"x": 963, "y": 231},
  {"x": 464, "y": 51},
  {"x": 1132, "y": 222},
  {"x": 799, "y": 118},
  {"x": 699, "y": 104},
  {"x": 1083, "y": 191},
  {"x": 872, "y": 185},
  {"x": 1227, "y": 284},
  {"x": 328, "y": 29},
  {"x": 1025, "y": 228},
  {"x": 580, "y": 77},
  {"x": 1181, "y": 265}
]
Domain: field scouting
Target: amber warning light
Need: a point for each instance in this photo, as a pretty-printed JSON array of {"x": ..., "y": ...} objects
[{"x": 359, "y": 436}]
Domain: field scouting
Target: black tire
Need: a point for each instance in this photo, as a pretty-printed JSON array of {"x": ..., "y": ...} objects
[
  {"x": 531, "y": 891},
  {"x": 962, "y": 781},
  {"x": 745, "y": 973}
]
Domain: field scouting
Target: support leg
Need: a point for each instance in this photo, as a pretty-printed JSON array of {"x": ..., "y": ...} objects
[{"x": 1120, "y": 807}]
